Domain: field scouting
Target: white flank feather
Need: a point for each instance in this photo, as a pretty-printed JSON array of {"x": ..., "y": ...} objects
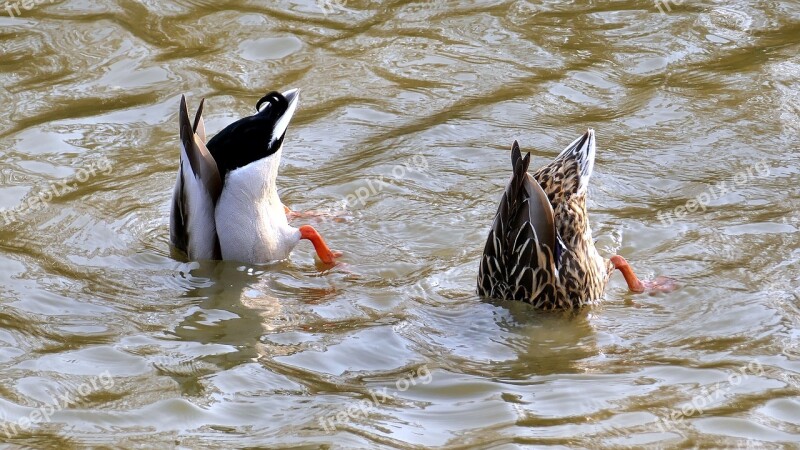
[
  {"x": 250, "y": 217},
  {"x": 199, "y": 208}
]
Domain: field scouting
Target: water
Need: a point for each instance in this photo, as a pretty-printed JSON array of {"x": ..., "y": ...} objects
[{"x": 106, "y": 339}]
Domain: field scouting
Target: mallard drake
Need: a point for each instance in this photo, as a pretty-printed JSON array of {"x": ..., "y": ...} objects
[
  {"x": 225, "y": 204},
  {"x": 540, "y": 248}
]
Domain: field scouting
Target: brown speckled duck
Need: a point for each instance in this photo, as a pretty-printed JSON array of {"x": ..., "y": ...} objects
[{"x": 540, "y": 248}]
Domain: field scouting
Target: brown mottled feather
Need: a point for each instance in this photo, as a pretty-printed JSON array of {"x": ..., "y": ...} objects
[{"x": 524, "y": 258}]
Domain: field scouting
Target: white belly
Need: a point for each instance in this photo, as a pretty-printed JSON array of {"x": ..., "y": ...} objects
[{"x": 250, "y": 218}]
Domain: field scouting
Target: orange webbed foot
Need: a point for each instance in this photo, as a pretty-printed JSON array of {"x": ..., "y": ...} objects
[
  {"x": 326, "y": 255},
  {"x": 660, "y": 284}
]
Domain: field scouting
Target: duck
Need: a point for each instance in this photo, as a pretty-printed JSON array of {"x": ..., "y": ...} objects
[
  {"x": 225, "y": 203},
  {"x": 540, "y": 248}
]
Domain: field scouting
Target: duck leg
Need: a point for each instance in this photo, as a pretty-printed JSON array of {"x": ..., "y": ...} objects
[
  {"x": 660, "y": 284},
  {"x": 325, "y": 254}
]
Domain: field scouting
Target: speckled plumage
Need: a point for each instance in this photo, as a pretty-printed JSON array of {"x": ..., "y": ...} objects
[{"x": 540, "y": 248}]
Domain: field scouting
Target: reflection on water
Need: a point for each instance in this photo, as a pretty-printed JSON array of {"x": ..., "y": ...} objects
[{"x": 402, "y": 138}]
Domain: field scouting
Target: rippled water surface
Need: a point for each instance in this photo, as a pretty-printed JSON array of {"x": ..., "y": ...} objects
[{"x": 108, "y": 339}]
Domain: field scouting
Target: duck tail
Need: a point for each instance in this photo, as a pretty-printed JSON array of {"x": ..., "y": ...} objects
[
  {"x": 581, "y": 151},
  {"x": 199, "y": 126},
  {"x": 520, "y": 166},
  {"x": 202, "y": 163},
  {"x": 508, "y": 215}
]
